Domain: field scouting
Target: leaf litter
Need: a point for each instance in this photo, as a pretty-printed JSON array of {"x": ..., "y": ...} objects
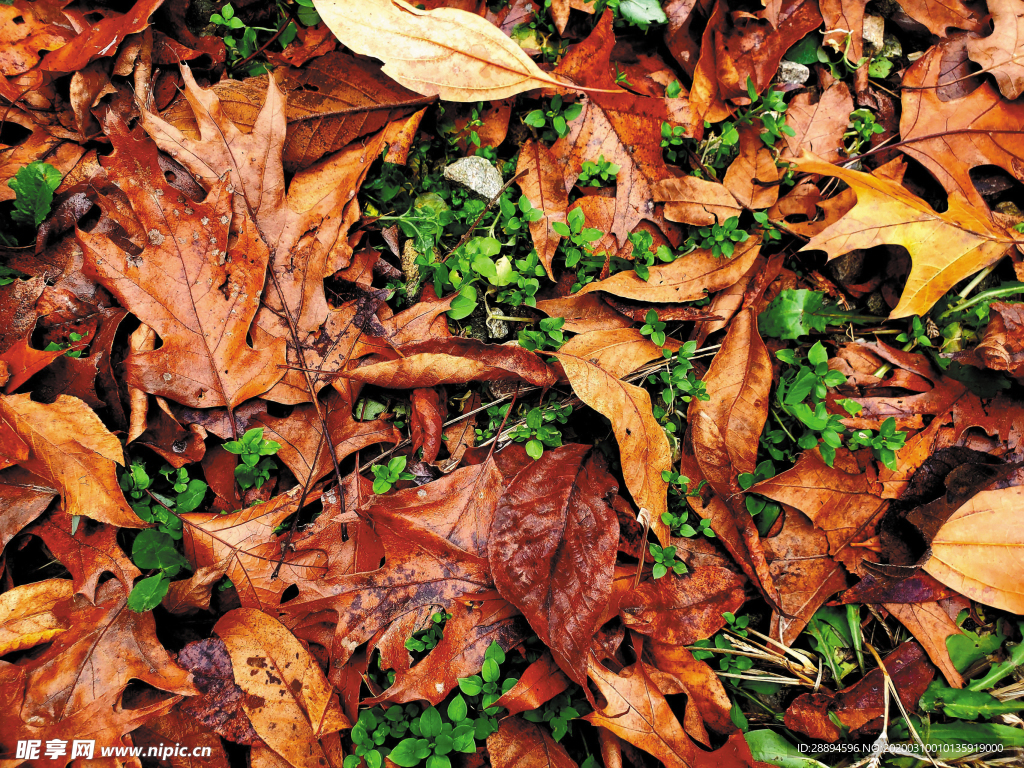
[{"x": 699, "y": 443}]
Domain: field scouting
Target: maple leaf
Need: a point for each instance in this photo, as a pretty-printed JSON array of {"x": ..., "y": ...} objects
[
  {"x": 447, "y": 52},
  {"x": 552, "y": 550},
  {"x": 198, "y": 293},
  {"x": 944, "y": 248}
]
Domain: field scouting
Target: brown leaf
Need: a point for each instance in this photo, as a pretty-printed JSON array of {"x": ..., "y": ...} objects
[
  {"x": 435, "y": 540},
  {"x": 539, "y": 683},
  {"x": 619, "y": 352},
  {"x": 100, "y": 39},
  {"x": 999, "y": 53},
  {"x": 975, "y": 552},
  {"x": 27, "y": 615},
  {"x": 688, "y": 278},
  {"x": 861, "y": 706},
  {"x": 455, "y": 361},
  {"x": 704, "y": 689},
  {"x": 683, "y": 610},
  {"x": 544, "y": 186},
  {"x": 218, "y": 706},
  {"x": 700, "y": 202},
  {"x": 286, "y": 697},
  {"x": 88, "y": 553},
  {"x": 477, "y": 621},
  {"x": 194, "y": 593},
  {"x": 819, "y": 125},
  {"x": 637, "y": 712},
  {"x": 552, "y": 550},
  {"x": 519, "y": 744},
  {"x": 1002, "y": 345},
  {"x": 939, "y": 15},
  {"x": 332, "y": 101},
  {"x": 70, "y": 449},
  {"x": 426, "y": 422},
  {"x": 176, "y": 728},
  {"x": 887, "y": 213},
  {"x": 725, "y": 429},
  {"x": 77, "y": 683},
  {"x": 976, "y": 130},
  {"x": 23, "y": 497},
  {"x": 752, "y": 177},
  {"x": 205, "y": 360},
  {"x": 643, "y": 447},
  {"x": 446, "y": 52}
]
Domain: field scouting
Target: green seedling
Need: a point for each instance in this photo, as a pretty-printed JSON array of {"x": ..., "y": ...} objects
[
  {"x": 599, "y": 174},
  {"x": 549, "y": 335},
  {"x": 154, "y": 550},
  {"x": 654, "y": 328},
  {"x": 255, "y": 453},
  {"x": 33, "y": 186},
  {"x": 665, "y": 561},
  {"x": 553, "y": 122},
  {"x": 540, "y": 431},
  {"x": 386, "y": 475},
  {"x": 860, "y": 130}
]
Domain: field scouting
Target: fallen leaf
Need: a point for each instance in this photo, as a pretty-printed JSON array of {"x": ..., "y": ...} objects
[
  {"x": 975, "y": 130},
  {"x": 286, "y": 697},
  {"x": 975, "y": 550},
  {"x": 70, "y": 448},
  {"x": 999, "y": 52},
  {"x": 701, "y": 202},
  {"x": 99, "y": 39},
  {"x": 940, "y": 15},
  {"x": 446, "y": 52},
  {"x": 541, "y": 682},
  {"x": 819, "y": 126},
  {"x": 519, "y": 744},
  {"x": 205, "y": 360},
  {"x": 886, "y": 213},
  {"x": 688, "y": 278},
  {"x": 619, "y": 352},
  {"x": 540, "y": 179},
  {"x": 552, "y": 550},
  {"x": 27, "y": 615},
  {"x": 643, "y": 447}
]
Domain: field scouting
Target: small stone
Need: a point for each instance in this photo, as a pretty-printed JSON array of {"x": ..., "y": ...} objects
[
  {"x": 477, "y": 175},
  {"x": 792, "y": 72},
  {"x": 496, "y": 329},
  {"x": 874, "y": 35},
  {"x": 892, "y": 48}
]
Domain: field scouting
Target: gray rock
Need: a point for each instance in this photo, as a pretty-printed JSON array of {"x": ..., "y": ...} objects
[
  {"x": 892, "y": 48},
  {"x": 477, "y": 175},
  {"x": 791, "y": 72},
  {"x": 874, "y": 35}
]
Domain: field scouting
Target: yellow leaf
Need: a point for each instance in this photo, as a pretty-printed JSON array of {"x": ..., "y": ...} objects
[
  {"x": 643, "y": 447},
  {"x": 979, "y": 550},
  {"x": 449, "y": 53},
  {"x": 26, "y": 614},
  {"x": 944, "y": 247}
]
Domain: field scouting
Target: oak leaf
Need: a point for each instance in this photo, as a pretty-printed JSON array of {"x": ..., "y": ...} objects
[
  {"x": 23, "y": 497},
  {"x": 643, "y": 447},
  {"x": 944, "y": 248},
  {"x": 287, "y": 698},
  {"x": 199, "y": 293},
  {"x": 100, "y": 39},
  {"x": 977, "y": 129},
  {"x": 819, "y": 126},
  {"x": 1000, "y": 52},
  {"x": 940, "y": 15},
  {"x": 637, "y": 712},
  {"x": 331, "y": 101},
  {"x": 27, "y": 616},
  {"x": 446, "y": 52},
  {"x": 68, "y": 447},
  {"x": 552, "y": 550}
]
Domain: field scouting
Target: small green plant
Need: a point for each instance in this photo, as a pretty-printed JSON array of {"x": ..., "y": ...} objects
[
  {"x": 33, "y": 186},
  {"x": 645, "y": 254},
  {"x": 673, "y": 139},
  {"x": 386, "y": 475},
  {"x": 764, "y": 510},
  {"x": 8, "y": 275},
  {"x": 861, "y": 128},
  {"x": 495, "y": 416},
  {"x": 427, "y": 639},
  {"x": 375, "y": 726},
  {"x": 540, "y": 431},
  {"x": 154, "y": 504},
  {"x": 255, "y": 453},
  {"x": 665, "y": 561},
  {"x": 73, "y": 338},
  {"x": 599, "y": 174},
  {"x": 883, "y": 445},
  {"x": 654, "y": 328},
  {"x": 720, "y": 238},
  {"x": 727, "y": 662},
  {"x": 246, "y": 46},
  {"x": 490, "y": 687},
  {"x": 917, "y": 333},
  {"x": 548, "y": 335},
  {"x": 678, "y": 515},
  {"x": 796, "y": 313},
  {"x": 680, "y": 385},
  {"x": 154, "y": 550},
  {"x": 553, "y": 121},
  {"x": 638, "y": 13},
  {"x": 556, "y": 714},
  {"x": 433, "y": 739}
]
